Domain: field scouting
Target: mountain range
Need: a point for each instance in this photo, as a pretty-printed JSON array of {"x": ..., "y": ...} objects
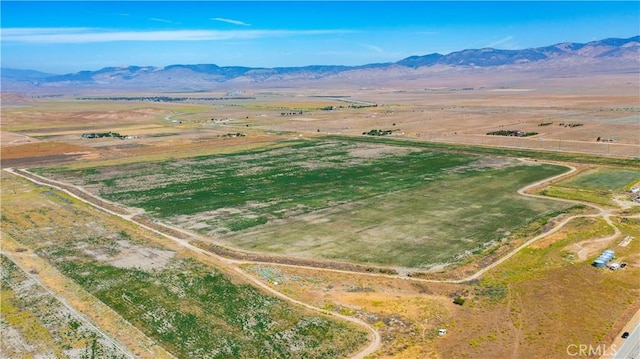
[{"x": 613, "y": 54}]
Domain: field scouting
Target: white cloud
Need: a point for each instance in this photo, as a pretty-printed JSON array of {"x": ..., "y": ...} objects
[
  {"x": 94, "y": 35},
  {"x": 505, "y": 42},
  {"x": 230, "y": 21},
  {"x": 373, "y": 48},
  {"x": 161, "y": 20}
]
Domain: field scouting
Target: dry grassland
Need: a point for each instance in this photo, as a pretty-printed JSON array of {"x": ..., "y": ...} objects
[
  {"x": 443, "y": 109},
  {"x": 533, "y": 306}
]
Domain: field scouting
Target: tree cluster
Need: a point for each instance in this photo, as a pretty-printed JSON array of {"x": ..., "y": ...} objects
[
  {"x": 513, "y": 133},
  {"x": 375, "y": 132}
]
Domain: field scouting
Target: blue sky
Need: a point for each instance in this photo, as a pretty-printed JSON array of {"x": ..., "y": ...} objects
[{"x": 63, "y": 37}]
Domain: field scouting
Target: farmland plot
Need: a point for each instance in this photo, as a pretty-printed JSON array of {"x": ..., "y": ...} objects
[
  {"x": 609, "y": 179},
  {"x": 34, "y": 323},
  {"x": 191, "y": 308},
  {"x": 335, "y": 199},
  {"x": 434, "y": 223},
  {"x": 599, "y": 185}
]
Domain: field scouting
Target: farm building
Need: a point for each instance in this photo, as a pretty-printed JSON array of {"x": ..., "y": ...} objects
[
  {"x": 599, "y": 263},
  {"x": 604, "y": 258}
]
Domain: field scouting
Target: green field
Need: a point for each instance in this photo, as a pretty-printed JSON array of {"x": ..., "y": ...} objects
[
  {"x": 609, "y": 179},
  {"x": 434, "y": 223},
  {"x": 596, "y": 186},
  {"x": 335, "y": 199}
]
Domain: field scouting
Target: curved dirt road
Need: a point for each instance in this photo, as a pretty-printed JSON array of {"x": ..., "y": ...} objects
[
  {"x": 371, "y": 348},
  {"x": 602, "y": 212}
]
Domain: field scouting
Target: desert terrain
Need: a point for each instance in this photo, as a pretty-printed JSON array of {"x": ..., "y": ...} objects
[{"x": 339, "y": 220}]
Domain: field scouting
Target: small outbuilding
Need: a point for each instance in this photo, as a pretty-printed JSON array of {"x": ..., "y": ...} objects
[
  {"x": 599, "y": 263},
  {"x": 604, "y": 258}
]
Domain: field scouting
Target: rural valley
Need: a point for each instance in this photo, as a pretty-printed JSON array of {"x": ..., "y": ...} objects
[{"x": 429, "y": 208}]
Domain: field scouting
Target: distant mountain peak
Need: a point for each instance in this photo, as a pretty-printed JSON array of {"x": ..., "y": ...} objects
[{"x": 486, "y": 57}]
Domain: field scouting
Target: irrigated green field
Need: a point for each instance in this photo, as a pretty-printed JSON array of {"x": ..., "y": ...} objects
[
  {"x": 611, "y": 179},
  {"x": 598, "y": 186},
  {"x": 335, "y": 199}
]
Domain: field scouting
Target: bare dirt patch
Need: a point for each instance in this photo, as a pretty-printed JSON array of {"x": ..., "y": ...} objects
[
  {"x": 42, "y": 152},
  {"x": 40, "y": 149},
  {"x": 14, "y": 139},
  {"x": 131, "y": 255},
  {"x": 375, "y": 151}
]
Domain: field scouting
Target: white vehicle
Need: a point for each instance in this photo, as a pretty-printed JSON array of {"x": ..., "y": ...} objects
[{"x": 614, "y": 266}]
